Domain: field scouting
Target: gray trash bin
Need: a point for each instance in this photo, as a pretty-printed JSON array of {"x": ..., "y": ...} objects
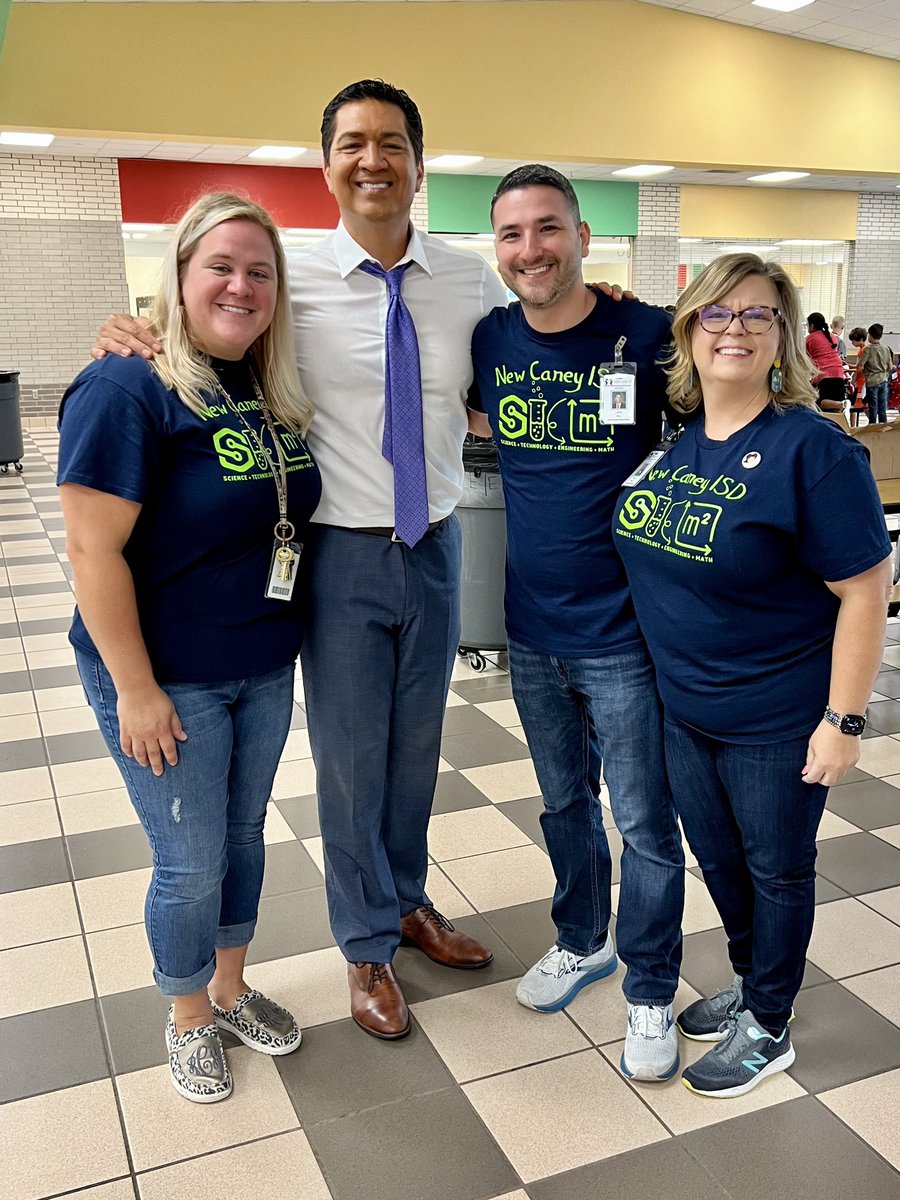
[
  {"x": 11, "y": 445},
  {"x": 483, "y": 522}
]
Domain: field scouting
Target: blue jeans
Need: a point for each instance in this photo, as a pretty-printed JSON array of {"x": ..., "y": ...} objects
[
  {"x": 751, "y": 821},
  {"x": 204, "y": 817},
  {"x": 579, "y": 713},
  {"x": 877, "y": 398},
  {"x": 381, "y": 641}
]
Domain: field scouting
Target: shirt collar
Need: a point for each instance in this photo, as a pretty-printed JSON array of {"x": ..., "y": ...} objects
[{"x": 349, "y": 254}]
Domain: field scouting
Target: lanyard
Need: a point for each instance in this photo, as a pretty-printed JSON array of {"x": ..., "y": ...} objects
[{"x": 284, "y": 530}]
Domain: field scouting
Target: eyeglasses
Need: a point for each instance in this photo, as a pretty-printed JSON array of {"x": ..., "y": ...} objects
[{"x": 760, "y": 319}]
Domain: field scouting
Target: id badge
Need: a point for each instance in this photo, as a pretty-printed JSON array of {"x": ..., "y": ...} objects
[
  {"x": 617, "y": 393},
  {"x": 283, "y": 570},
  {"x": 643, "y": 469}
]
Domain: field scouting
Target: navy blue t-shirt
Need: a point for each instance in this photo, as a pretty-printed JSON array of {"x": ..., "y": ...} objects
[
  {"x": 202, "y": 544},
  {"x": 566, "y": 591},
  {"x": 727, "y": 546}
]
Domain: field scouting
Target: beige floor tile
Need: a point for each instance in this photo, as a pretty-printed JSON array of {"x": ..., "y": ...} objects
[
  {"x": 444, "y": 896},
  {"x": 504, "y": 712},
  {"x": 889, "y": 834},
  {"x": 880, "y": 990},
  {"x": 12, "y": 662},
  {"x": 505, "y": 781},
  {"x": 443, "y": 766},
  {"x": 27, "y": 525},
  {"x": 32, "y": 783},
  {"x": 21, "y": 552},
  {"x": 455, "y": 701},
  {"x": 681, "y": 1111},
  {"x": 886, "y": 901},
  {"x": 276, "y": 828},
  {"x": 832, "y": 826},
  {"x": 296, "y": 778},
  {"x": 296, "y": 746},
  {"x": 68, "y": 720},
  {"x": 893, "y": 780},
  {"x": 601, "y": 1011},
  {"x": 278, "y": 1168},
  {"x": 313, "y": 847},
  {"x": 891, "y": 654},
  {"x": 879, "y": 755},
  {"x": 18, "y": 728},
  {"x": 18, "y": 508},
  {"x": 472, "y": 831},
  {"x": 121, "y": 1189},
  {"x": 91, "y": 775},
  {"x": 121, "y": 959},
  {"x": 46, "y": 641},
  {"x": 519, "y": 1194},
  {"x": 312, "y": 986},
  {"x": 30, "y": 822},
  {"x": 161, "y": 1128},
  {"x": 864, "y": 1105},
  {"x": 43, "y": 574},
  {"x": 503, "y": 878},
  {"x": 484, "y": 1031},
  {"x": 39, "y": 659},
  {"x": 43, "y": 976},
  {"x": 47, "y": 612},
  {"x": 48, "y": 699},
  {"x": 110, "y": 901},
  {"x": 595, "y": 1114},
  {"x": 37, "y": 915},
  {"x": 41, "y": 600},
  {"x": 849, "y": 938},
  {"x": 89, "y": 811},
  {"x": 16, "y": 704},
  {"x": 63, "y": 1140},
  {"x": 699, "y": 910},
  {"x": 518, "y": 732}
]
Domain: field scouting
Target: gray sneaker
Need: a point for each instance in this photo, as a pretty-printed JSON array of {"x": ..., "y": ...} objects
[
  {"x": 560, "y": 975},
  {"x": 707, "y": 1020},
  {"x": 197, "y": 1062},
  {"x": 260, "y": 1023},
  {"x": 651, "y": 1044},
  {"x": 745, "y": 1057}
]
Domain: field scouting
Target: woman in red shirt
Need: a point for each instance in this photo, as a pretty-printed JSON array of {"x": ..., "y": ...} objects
[{"x": 822, "y": 349}]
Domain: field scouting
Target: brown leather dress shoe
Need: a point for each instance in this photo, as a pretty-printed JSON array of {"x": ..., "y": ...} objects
[
  {"x": 376, "y": 1000},
  {"x": 433, "y": 934}
]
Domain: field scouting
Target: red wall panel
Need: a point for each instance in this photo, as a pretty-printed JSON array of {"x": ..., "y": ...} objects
[{"x": 155, "y": 191}]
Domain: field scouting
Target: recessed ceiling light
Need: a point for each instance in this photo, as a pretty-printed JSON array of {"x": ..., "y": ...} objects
[
  {"x": 26, "y": 139},
  {"x": 782, "y": 5},
  {"x": 453, "y": 162},
  {"x": 777, "y": 177},
  {"x": 279, "y": 152},
  {"x": 644, "y": 171}
]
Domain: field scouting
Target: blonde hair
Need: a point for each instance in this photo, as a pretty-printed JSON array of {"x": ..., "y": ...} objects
[
  {"x": 715, "y": 281},
  {"x": 184, "y": 368}
]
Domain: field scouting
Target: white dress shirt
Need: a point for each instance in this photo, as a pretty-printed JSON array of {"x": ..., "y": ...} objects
[{"x": 339, "y": 319}]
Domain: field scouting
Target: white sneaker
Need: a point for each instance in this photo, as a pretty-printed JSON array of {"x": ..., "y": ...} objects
[
  {"x": 560, "y": 975},
  {"x": 651, "y": 1044}
]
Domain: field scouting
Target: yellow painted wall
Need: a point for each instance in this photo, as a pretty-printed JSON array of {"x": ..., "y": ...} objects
[
  {"x": 766, "y": 212},
  {"x": 562, "y": 79}
]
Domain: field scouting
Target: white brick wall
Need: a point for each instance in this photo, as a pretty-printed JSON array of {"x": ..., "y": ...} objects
[
  {"x": 420, "y": 208},
  {"x": 873, "y": 281},
  {"x": 63, "y": 268},
  {"x": 654, "y": 271}
]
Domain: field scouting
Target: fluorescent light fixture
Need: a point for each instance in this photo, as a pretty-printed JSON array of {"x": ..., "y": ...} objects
[
  {"x": 644, "y": 171},
  {"x": 26, "y": 139},
  {"x": 454, "y": 162},
  {"x": 782, "y": 5},
  {"x": 809, "y": 242},
  {"x": 277, "y": 152},
  {"x": 777, "y": 177},
  {"x": 689, "y": 241}
]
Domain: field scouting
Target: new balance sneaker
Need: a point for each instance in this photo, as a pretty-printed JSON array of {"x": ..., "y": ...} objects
[
  {"x": 260, "y": 1023},
  {"x": 560, "y": 975},
  {"x": 745, "y": 1057},
  {"x": 651, "y": 1044},
  {"x": 197, "y": 1062},
  {"x": 707, "y": 1020}
]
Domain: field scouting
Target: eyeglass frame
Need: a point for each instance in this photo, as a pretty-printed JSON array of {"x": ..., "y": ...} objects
[{"x": 776, "y": 313}]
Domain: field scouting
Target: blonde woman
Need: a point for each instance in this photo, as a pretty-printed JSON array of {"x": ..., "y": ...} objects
[
  {"x": 186, "y": 485},
  {"x": 758, "y": 560}
]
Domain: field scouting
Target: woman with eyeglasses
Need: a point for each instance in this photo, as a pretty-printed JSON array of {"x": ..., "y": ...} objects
[
  {"x": 822, "y": 348},
  {"x": 758, "y": 561}
]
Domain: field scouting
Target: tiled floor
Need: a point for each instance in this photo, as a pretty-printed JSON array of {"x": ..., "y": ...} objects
[{"x": 485, "y": 1099}]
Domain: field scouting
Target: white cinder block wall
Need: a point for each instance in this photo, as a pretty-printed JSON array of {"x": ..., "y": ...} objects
[
  {"x": 654, "y": 272},
  {"x": 873, "y": 284}
]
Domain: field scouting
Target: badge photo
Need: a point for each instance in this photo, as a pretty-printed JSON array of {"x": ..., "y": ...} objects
[{"x": 617, "y": 398}]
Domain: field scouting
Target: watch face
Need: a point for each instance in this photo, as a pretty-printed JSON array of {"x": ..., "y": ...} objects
[{"x": 853, "y": 724}]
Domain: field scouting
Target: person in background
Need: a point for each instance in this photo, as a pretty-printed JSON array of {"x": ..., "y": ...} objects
[
  {"x": 822, "y": 348},
  {"x": 859, "y": 340},
  {"x": 837, "y": 333},
  {"x": 187, "y": 488},
  {"x": 876, "y": 361},
  {"x": 759, "y": 564}
]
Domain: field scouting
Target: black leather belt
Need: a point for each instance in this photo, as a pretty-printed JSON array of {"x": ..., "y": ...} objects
[{"x": 377, "y": 531}]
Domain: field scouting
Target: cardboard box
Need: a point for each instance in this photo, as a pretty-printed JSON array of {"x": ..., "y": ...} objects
[{"x": 883, "y": 444}]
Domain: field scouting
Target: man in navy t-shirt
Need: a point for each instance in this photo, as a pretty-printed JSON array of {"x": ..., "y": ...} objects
[{"x": 581, "y": 676}]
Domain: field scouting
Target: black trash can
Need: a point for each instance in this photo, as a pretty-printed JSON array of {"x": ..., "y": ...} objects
[
  {"x": 482, "y": 518},
  {"x": 11, "y": 445}
]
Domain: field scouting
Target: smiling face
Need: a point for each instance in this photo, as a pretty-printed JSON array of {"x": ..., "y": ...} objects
[
  {"x": 372, "y": 170},
  {"x": 735, "y": 358},
  {"x": 229, "y": 288},
  {"x": 539, "y": 245}
]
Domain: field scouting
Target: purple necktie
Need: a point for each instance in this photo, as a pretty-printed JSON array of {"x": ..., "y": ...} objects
[{"x": 403, "y": 444}]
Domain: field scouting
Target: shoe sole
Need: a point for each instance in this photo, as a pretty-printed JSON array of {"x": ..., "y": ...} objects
[
  {"x": 384, "y": 1037},
  {"x": 443, "y": 963},
  {"x": 593, "y": 977},
  {"x": 776, "y": 1065},
  {"x": 637, "y": 1077},
  {"x": 718, "y": 1036},
  {"x": 273, "y": 1051}
]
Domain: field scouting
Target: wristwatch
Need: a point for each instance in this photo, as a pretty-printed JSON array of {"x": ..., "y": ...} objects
[{"x": 850, "y": 723}]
